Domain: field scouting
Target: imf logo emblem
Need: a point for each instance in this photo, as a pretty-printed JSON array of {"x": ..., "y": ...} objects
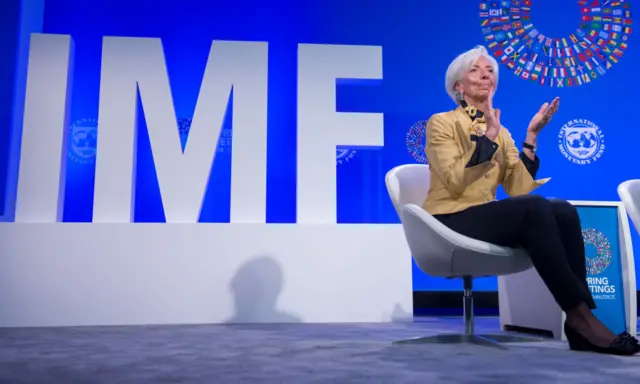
[
  {"x": 82, "y": 141},
  {"x": 344, "y": 155},
  {"x": 581, "y": 141},
  {"x": 224, "y": 140}
]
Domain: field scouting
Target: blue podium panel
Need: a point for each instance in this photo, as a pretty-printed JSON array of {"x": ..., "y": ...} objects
[{"x": 600, "y": 230}]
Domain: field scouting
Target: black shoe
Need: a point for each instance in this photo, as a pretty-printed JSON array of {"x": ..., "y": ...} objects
[
  {"x": 623, "y": 345},
  {"x": 627, "y": 335}
]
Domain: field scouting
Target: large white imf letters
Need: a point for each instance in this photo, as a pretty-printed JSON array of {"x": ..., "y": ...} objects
[
  {"x": 321, "y": 128},
  {"x": 132, "y": 64},
  {"x": 137, "y": 65},
  {"x": 40, "y": 190}
]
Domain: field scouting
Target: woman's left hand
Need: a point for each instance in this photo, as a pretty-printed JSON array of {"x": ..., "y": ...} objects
[{"x": 543, "y": 116}]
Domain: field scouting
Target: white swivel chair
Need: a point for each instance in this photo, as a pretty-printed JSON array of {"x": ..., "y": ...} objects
[
  {"x": 439, "y": 251},
  {"x": 629, "y": 192}
]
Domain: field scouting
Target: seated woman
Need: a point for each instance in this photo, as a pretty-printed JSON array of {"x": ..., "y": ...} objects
[{"x": 470, "y": 154}]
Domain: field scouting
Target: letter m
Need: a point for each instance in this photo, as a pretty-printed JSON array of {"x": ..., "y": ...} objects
[{"x": 135, "y": 67}]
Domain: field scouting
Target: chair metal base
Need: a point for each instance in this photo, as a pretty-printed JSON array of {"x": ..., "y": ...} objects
[
  {"x": 469, "y": 337},
  {"x": 487, "y": 340}
]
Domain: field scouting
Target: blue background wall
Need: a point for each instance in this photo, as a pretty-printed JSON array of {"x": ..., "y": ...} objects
[
  {"x": 9, "y": 31},
  {"x": 419, "y": 40}
]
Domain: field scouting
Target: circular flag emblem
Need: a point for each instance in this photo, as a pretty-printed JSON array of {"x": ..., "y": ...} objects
[
  {"x": 416, "y": 141},
  {"x": 602, "y": 259},
  {"x": 567, "y": 61}
]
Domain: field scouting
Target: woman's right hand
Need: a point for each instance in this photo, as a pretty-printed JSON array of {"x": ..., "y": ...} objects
[{"x": 492, "y": 117}]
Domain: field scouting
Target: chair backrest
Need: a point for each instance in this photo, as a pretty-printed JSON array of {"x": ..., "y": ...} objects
[
  {"x": 408, "y": 184},
  {"x": 629, "y": 193}
]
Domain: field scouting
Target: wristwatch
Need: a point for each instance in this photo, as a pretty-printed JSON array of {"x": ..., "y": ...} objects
[{"x": 530, "y": 147}]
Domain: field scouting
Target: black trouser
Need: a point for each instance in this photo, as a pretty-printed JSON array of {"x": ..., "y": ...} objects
[{"x": 549, "y": 230}]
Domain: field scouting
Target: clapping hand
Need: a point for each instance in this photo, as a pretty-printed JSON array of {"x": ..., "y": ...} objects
[
  {"x": 492, "y": 117},
  {"x": 543, "y": 117}
]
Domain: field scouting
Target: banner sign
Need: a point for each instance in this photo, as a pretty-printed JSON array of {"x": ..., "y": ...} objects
[{"x": 600, "y": 230}]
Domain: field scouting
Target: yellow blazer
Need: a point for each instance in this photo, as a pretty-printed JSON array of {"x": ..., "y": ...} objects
[{"x": 454, "y": 187}]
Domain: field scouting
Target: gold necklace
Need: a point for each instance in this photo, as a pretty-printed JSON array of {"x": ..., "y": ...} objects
[{"x": 472, "y": 111}]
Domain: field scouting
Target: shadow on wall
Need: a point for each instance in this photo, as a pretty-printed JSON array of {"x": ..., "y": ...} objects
[{"x": 255, "y": 289}]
